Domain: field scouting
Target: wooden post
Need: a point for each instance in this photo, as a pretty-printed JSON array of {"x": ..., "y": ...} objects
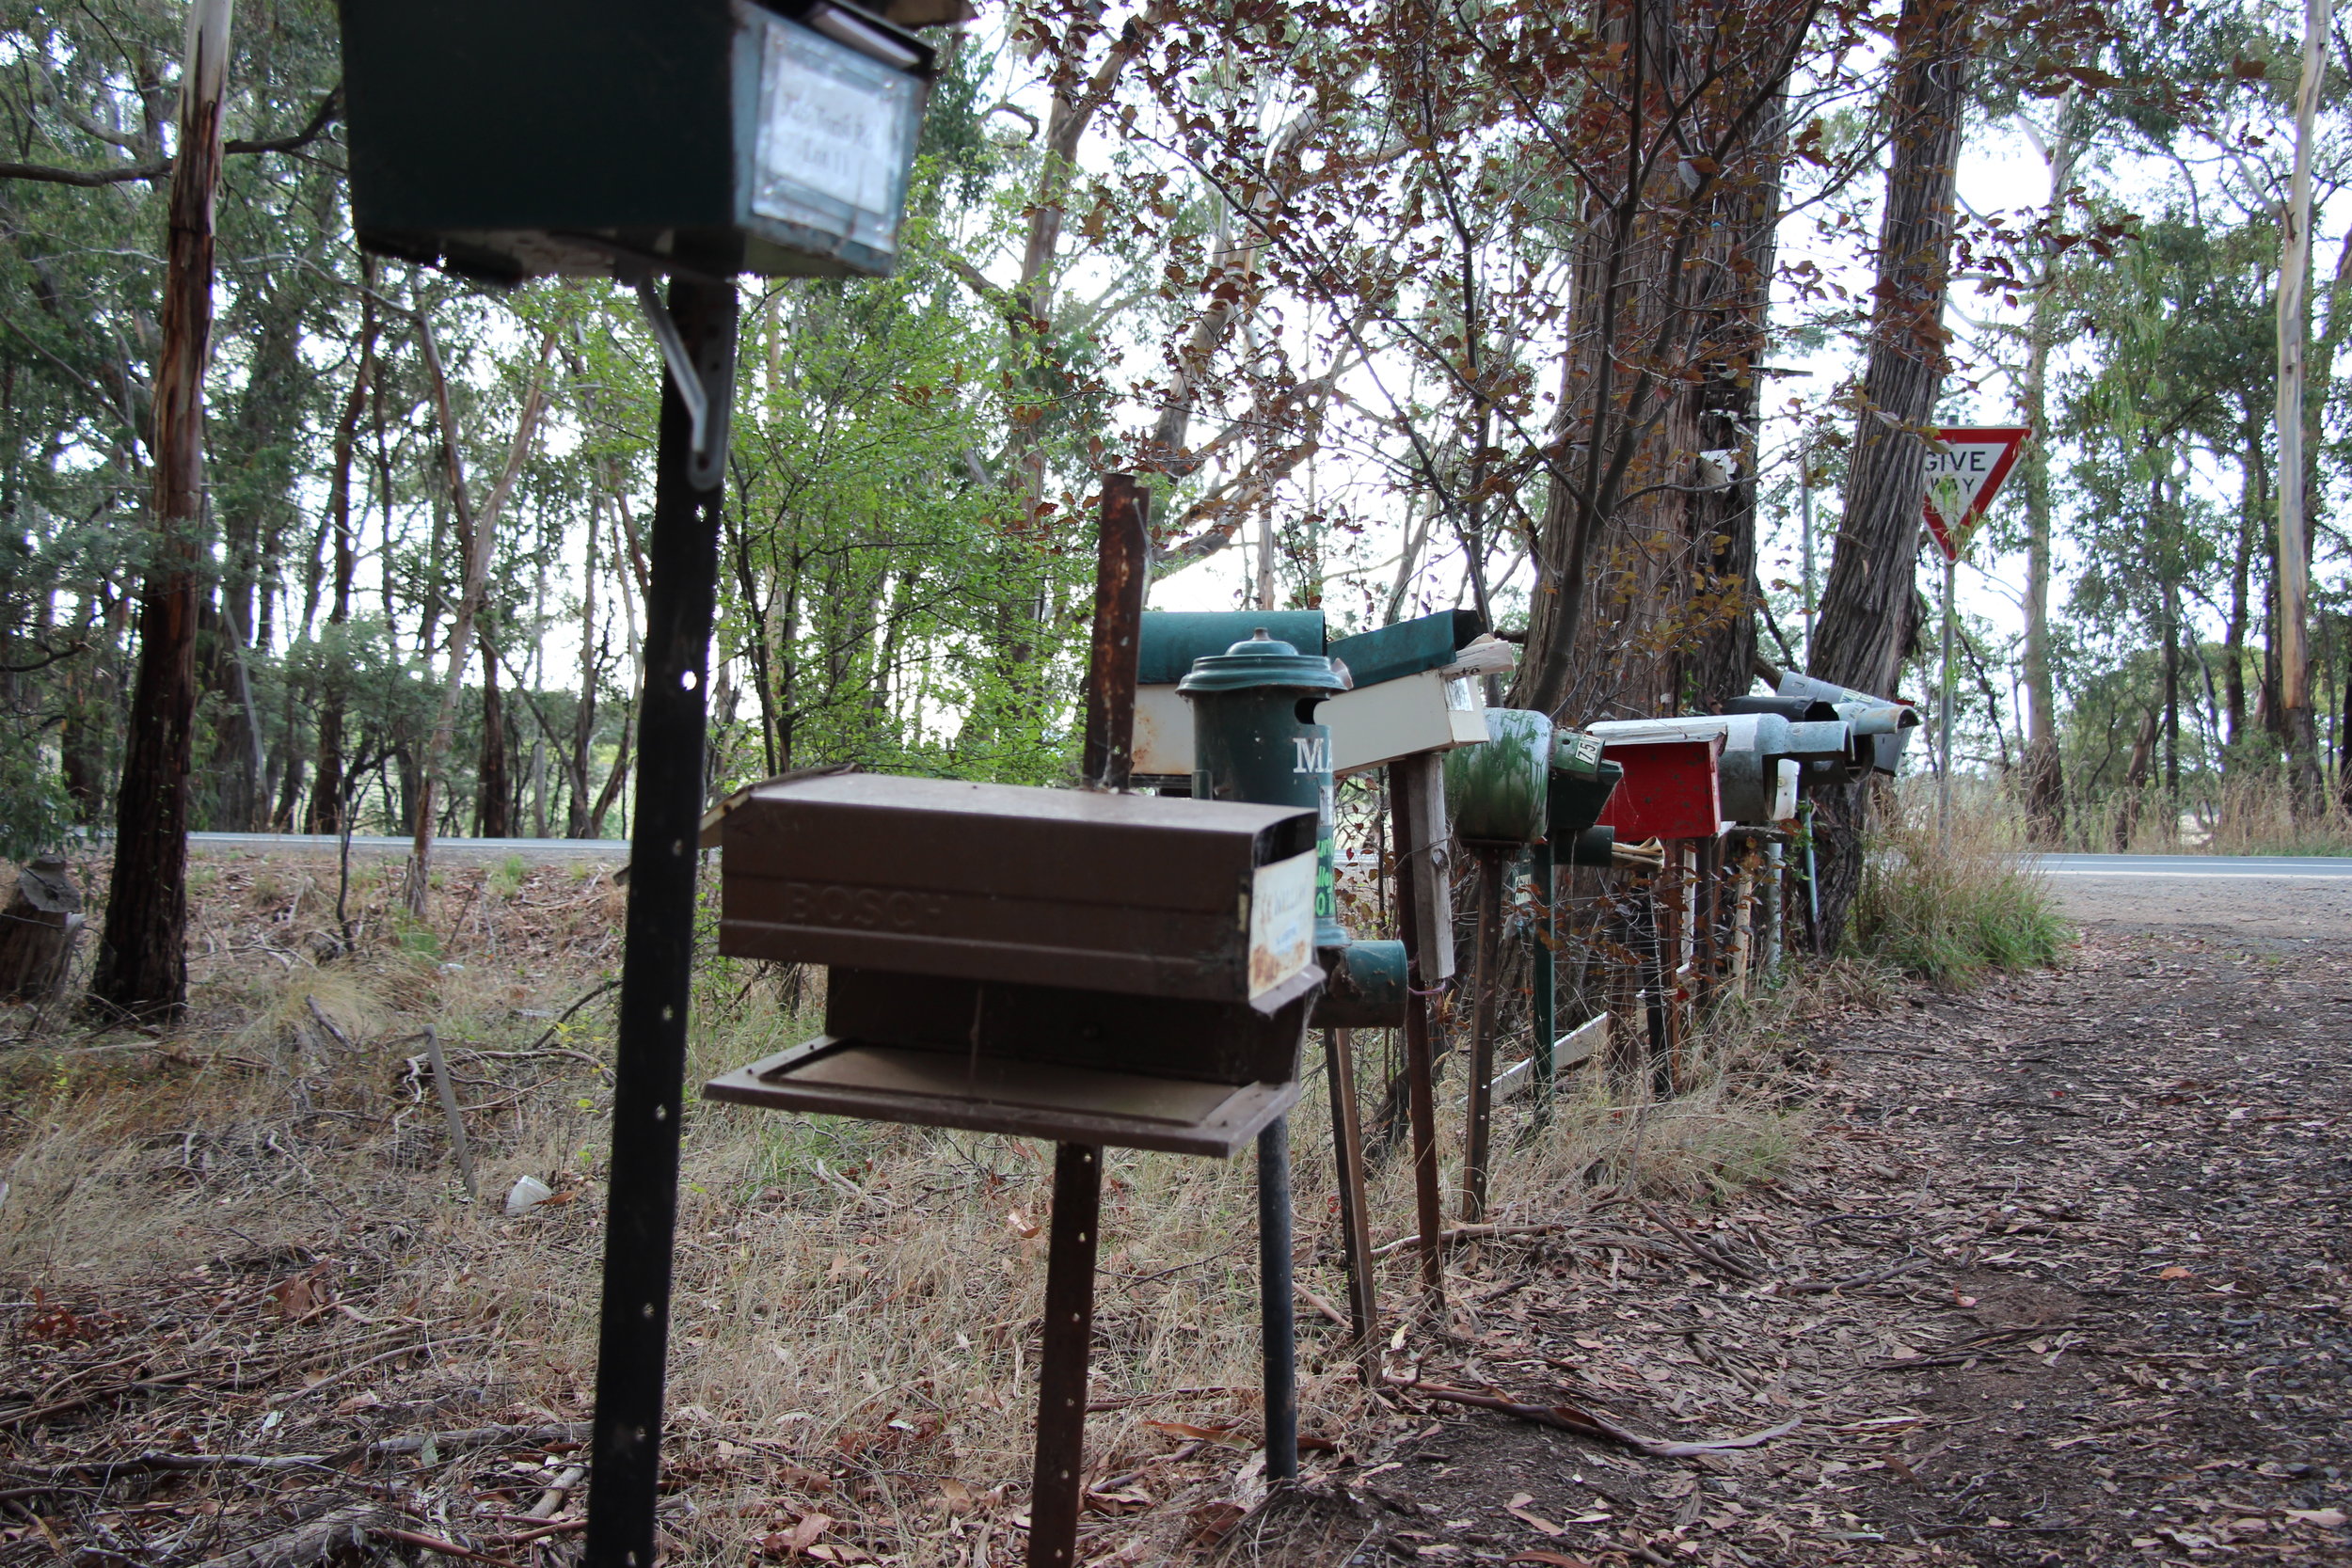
[
  {"x": 1347, "y": 1146},
  {"x": 1417, "y": 791},
  {"x": 1478, "y": 1131},
  {"x": 142, "y": 961}
]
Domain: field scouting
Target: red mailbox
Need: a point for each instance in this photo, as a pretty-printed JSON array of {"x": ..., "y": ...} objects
[{"x": 1671, "y": 789}]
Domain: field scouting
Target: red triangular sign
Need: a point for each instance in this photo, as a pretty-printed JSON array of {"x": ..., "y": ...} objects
[{"x": 1963, "y": 473}]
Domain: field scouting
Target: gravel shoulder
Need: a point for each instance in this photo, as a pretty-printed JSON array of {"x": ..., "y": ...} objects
[{"x": 2061, "y": 1279}]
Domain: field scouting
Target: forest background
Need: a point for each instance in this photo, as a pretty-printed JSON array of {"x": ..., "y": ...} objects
[{"x": 1570, "y": 314}]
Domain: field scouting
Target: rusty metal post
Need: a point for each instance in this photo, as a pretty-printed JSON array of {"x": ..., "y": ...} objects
[
  {"x": 1347, "y": 1145},
  {"x": 1057, "y": 1485},
  {"x": 658, "y": 959},
  {"x": 1544, "y": 950},
  {"x": 1277, "y": 1310},
  {"x": 1123, "y": 570},
  {"x": 1420, "y": 1064},
  {"x": 1478, "y": 1132}
]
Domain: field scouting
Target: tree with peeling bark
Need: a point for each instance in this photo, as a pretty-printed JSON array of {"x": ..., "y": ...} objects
[
  {"x": 2295, "y": 534},
  {"x": 1869, "y": 612},
  {"x": 142, "y": 964}
]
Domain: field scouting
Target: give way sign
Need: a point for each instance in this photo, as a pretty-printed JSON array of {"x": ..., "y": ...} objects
[{"x": 1964, "y": 471}]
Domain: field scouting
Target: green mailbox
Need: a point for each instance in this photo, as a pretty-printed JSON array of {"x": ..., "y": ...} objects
[
  {"x": 506, "y": 139},
  {"x": 1255, "y": 739},
  {"x": 1497, "y": 791},
  {"x": 1581, "y": 781}
]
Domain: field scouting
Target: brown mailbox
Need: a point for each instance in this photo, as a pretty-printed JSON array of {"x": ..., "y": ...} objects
[{"x": 1097, "y": 968}]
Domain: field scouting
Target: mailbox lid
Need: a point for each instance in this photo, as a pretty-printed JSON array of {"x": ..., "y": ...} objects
[
  {"x": 1171, "y": 639},
  {"x": 1116, "y": 892},
  {"x": 1408, "y": 647},
  {"x": 1670, "y": 789}
]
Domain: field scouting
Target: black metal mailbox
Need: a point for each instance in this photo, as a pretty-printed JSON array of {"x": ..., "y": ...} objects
[
  {"x": 1112, "y": 969},
  {"x": 508, "y": 139}
]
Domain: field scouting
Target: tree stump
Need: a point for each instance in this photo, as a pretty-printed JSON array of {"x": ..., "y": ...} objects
[{"x": 38, "y": 931}]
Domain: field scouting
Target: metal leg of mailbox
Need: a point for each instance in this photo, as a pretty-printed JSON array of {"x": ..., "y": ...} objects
[
  {"x": 1420, "y": 1065},
  {"x": 1278, "y": 1317},
  {"x": 1421, "y": 1082},
  {"x": 1775, "y": 909},
  {"x": 656, "y": 964},
  {"x": 1479, "y": 1133},
  {"x": 1057, "y": 1484},
  {"x": 1660, "y": 995},
  {"x": 1547, "y": 958},
  {"x": 1347, "y": 1146}
]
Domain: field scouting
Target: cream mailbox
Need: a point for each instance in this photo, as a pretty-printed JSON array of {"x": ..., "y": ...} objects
[{"x": 1095, "y": 968}]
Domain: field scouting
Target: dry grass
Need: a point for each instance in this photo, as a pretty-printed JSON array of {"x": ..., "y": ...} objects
[
  {"x": 1948, "y": 901},
  {"x": 2255, "y": 816},
  {"x": 854, "y": 1331}
]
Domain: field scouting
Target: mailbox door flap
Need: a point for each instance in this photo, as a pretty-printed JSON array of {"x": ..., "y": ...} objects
[{"x": 1670, "y": 789}]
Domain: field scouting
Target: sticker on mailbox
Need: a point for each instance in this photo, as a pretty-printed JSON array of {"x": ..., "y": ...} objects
[{"x": 1282, "y": 921}]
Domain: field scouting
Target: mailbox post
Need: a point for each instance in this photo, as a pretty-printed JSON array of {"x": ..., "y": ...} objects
[
  {"x": 1573, "y": 796},
  {"x": 1253, "y": 739},
  {"x": 509, "y": 139},
  {"x": 1498, "y": 794}
]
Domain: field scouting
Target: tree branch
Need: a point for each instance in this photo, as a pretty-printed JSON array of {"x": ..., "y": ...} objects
[{"x": 156, "y": 169}]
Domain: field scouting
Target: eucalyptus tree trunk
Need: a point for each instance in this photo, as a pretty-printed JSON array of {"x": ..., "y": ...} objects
[
  {"x": 2045, "y": 778},
  {"x": 1867, "y": 616},
  {"x": 326, "y": 792},
  {"x": 142, "y": 961},
  {"x": 2295, "y": 269},
  {"x": 477, "y": 543},
  {"x": 1645, "y": 547},
  {"x": 493, "y": 816}
]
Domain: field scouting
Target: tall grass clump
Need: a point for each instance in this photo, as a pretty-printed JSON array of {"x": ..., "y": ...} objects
[
  {"x": 1948, "y": 907},
  {"x": 2256, "y": 817}
]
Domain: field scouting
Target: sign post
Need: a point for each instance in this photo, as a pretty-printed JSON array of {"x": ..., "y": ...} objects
[{"x": 1963, "y": 472}]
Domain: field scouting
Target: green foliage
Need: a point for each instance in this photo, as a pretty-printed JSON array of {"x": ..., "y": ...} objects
[{"x": 35, "y": 813}]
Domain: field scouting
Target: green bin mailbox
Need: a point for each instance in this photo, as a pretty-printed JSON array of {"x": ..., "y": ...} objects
[
  {"x": 1255, "y": 739},
  {"x": 506, "y": 139}
]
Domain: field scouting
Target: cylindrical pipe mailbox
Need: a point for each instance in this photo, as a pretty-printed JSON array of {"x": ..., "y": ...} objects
[
  {"x": 1498, "y": 791},
  {"x": 1364, "y": 986},
  {"x": 1254, "y": 739},
  {"x": 1590, "y": 846}
]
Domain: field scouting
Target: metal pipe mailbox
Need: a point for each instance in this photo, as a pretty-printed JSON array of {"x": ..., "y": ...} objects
[{"x": 1888, "y": 733}]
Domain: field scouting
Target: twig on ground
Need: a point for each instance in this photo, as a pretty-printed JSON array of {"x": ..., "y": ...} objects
[
  {"x": 304, "y": 1543},
  {"x": 434, "y": 1544},
  {"x": 1568, "y": 1417}
]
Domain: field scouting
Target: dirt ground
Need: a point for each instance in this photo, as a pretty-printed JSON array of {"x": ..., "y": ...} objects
[
  {"x": 2055, "y": 1274},
  {"x": 2063, "y": 1280}
]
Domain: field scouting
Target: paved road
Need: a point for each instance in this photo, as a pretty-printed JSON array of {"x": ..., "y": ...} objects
[
  {"x": 2252, "y": 899},
  {"x": 2173, "y": 867},
  {"x": 318, "y": 844}
]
